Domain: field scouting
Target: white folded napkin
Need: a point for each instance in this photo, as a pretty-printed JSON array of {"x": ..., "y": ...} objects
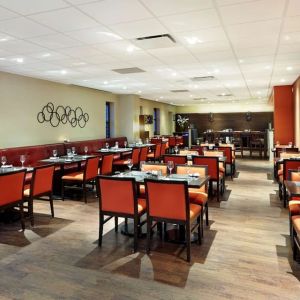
[
  {"x": 7, "y": 166},
  {"x": 53, "y": 157}
]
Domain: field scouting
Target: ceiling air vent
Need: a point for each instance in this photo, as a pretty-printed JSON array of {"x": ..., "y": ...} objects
[
  {"x": 203, "y": 78},
  {"x": 179, "y": 91},
  {"x": 225, "y": 95},
  {"x": 200, "y": 98},
  {"x": 129, "y": 70},
  {"x": 155, "y": 41}
]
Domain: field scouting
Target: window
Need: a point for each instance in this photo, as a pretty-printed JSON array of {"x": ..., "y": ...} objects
[
  {"x": 156, "y": 119},
  {"x": 107, "y": 119}
]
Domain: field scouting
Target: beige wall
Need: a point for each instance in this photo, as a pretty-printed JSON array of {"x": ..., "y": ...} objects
[
  {"x": 296, "y": 93},
  {"x": 21, "y": 98}
]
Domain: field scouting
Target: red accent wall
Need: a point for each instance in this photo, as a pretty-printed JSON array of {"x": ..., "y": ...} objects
[{"x": 283, "y": 114}]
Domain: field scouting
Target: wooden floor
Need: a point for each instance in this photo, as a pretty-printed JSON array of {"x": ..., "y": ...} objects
[{"x": 245, "y": 254}]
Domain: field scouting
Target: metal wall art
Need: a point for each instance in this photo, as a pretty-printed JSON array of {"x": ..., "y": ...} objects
[{"x": 64, "y": 115}]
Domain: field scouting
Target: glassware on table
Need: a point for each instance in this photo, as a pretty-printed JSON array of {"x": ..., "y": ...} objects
[
  {"x": 170, "y": 165},
  {"x": 22, "y": 159},
  {"x": 107, "y": 146},
  {"x": 125, "y": 144},
  {"x": 116, "y": 145},
  {"x": 73, "y": 150},
  {"x": 277, "y": 143},
  {"x": 129, "y": 163},
  {"x": 290, "y": 144},
  {"x": 147, "y": 141},
  {"x": 69, "y": 152},
  {"x": 198, "y": 142},
  {"x": 142, "y": 165},
  {"x": 283, "y": 150},
  {"x": 140, "y": 142},
  {"x": 3, "y": 160},
  {"x": 176, "y": 149},
  {"x": 86, "y": 149},
  {"x": 54, "y": 152}
]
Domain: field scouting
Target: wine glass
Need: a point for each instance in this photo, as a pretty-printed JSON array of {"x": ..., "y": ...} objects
[
  {"x": 176, "y": 149},
  {"x": 54, "y": 152},
  {"x": 129, "y": 164},
  {"x": 142, "y": 165},
  {"x": 22, "y": 160},
  {"x": 86, "y": 149},
  {"x": 3, "y": 160},
  {"x": 290, "y": 144},
  {"x": 107, "y": 145},
  {"x": 198, "y": 142},
  {"x": 170, "y": 166},
  {"x": 147, "y": 141},
  {"x": 125, "y": 144},
  {"x": 69, "y": 153},
  {"x": 73, "y": 150},
  {"x": 116, "y": 145}
]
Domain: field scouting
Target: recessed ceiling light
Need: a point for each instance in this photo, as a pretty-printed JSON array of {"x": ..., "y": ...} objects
[
  {"x": 80, "y": 63},
  {"x": 63, "y": 72},
  {"x": 174, "y": 74},
  {"x": 105, "y": 82},
  {"x": 46, "y": 55},
  {"x": 109, "y": 34},
  {"x": 124, "y": 87},
  {"x": 287, "y": 37},
  {"x": 85, "y": 80},
  {"x": 258, "y": 92},
  {"x": 18, "y": 60},
  {"x": 161, "y": 97},
  {"x": 193, "y": 40},
  {"x": 4, "y": 40},
  {"x": 282, "y": 80},
  {"x": 191, "y": 96},
  {"x": 241, "y": 61},
  {"x": 139, "y": 92},
  {"x": 131, "y": 48},
  {"x": 216, "y": 70},
  {"x": 289, "y": 68},
  {"x": 267, "y": 67}
]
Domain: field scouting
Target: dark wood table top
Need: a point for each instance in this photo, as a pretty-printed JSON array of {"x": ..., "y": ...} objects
[
  {"x": 10, "y": 169},
  {"x": 292, "y": 187},
  {"x": 114, "y": 150},
  {"x": 139, "y": 176},
  {"x": 66, "y": 160}
]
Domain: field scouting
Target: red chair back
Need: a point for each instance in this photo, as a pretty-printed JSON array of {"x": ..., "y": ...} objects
[
  {"x": 11, "y": 187},
  {"x": 163, "y": 149},
  {"x": 155, "y": 167},
  {"x": 116, "y": 194},
  {"x": 157, "y": 151},
  {"x": 91, "y": 168},
  {"x": 278, "y": 150},
  {"x": 227, "y": 152},
  {"x": 290, "y": 164},
  {"x": 167, "y": 200},
  {"x": 135, "y": 156},
  {"x": 156, "y": 141},
  {"x": 212, "y": 164},
  {"x": 42, "y": 180},
  {"x": 107, "y": 164},
  {"x": 172, "y": 141},
  {"x": 143, "y": 153},
  {"x": 177, "y": 159}
]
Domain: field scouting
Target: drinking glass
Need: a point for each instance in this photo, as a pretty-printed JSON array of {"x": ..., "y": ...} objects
[
  {"x": 107, "y": 145},
  {"x": 140, "y": 142},
  {"x": 69, "y": 153},
  {"x": 22, "y": 159},
  {"x": 73, "y": 150},
  {"x": 170, "y": 166},
  {"x": 3, "y": 160},
  {"x": 198, "y": 142},
  {"x": 176, "y": 149},
  {"x": 290, "y": 144},
  {"x": 125, "y": 144},
  {"x": 277, "y": 143},
  {"x": 142, "y": 165},
  {"x": 117, "y": 145},
  {"x": 86, "y": 149},
  {"x": 54, "y": 152},
  {"x": 129, "y": 164},
  {"x": 147, "y": 141}
]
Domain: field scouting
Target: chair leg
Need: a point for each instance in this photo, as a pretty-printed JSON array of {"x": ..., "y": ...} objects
[
  {"x": 51, "y": 205},
  {"x": 30, "y": 210},
  {"x": 135, "y": 238},
  {"x": 284, "y": 196},
  {"x": 62, "y": 190},
  {"x": 188, "y": 241},
  {"x": 84, "y": 192},
  {"x": 218, "y": 191},
  {"x": 22, "y": 216},
  {"x": 206, "y": 214},
  {"x": 149, "y": 223},
  {"x": 101, "y": 221},
  {"x": 116, "y": 224},
  {"x": 200, "y": 230}
]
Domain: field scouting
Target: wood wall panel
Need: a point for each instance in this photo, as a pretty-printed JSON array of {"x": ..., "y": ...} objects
[{"x": 235, "y": 121}]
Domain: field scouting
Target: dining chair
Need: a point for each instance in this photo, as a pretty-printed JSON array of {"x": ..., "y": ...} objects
[
  {"x": 155, "y": 156},
  {"x": 143, "y": 153},
  {"x": 213, "y": 171},
  {"x": 106, "y": 165},
  {"x": 163, "y": 150},
  {"x": 40, "y": 186},
  {"x": 81, "y": 178},
  {"x": 118, "y": 198},
  {"x": 121, "y": 164},
  {"x": 176, "y": 159},
  {"x": 168, "y": 201},
  {"x": 295, "y": 235},
  {"x": 197, "y": 195},
  {"x": 11, "y": 192},
  {"x": 216, "y": 153},
  {"x": 230, "y": 160}
]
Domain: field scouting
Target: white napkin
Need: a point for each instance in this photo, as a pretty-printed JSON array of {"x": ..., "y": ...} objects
[{"x": 7, "y": 166}]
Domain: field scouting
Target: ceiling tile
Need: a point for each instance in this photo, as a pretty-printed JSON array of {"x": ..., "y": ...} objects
[
  {"x": 69, "y": 19},
  {"x": 110, "y": 12},
  {"x": 252, "y": 11},
  {"x": 95, "y": 35},
  {"x": 80, "y": 52},
  {"x": 137, "y": 29},
  {"x": 168, "y": 7},
  {"x": 23, "y": 28},
  {"x": 291, "y": 24},
  {"x": 191, "y": 21},
  {"x": 20, "y": 46},
  {"x": 230, "y": 2},
  {"x": 293, "y": 8},
  {"x": 55, "y": 41},
  {"x": 6, "y": 14},
  {"x": 32, "y": 6}
]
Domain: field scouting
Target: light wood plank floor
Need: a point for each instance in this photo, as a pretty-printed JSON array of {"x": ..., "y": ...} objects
[{"x": 245, "y": 254}]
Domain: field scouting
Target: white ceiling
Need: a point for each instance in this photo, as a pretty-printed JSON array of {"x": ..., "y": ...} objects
[{"x": 247, "y": 45}]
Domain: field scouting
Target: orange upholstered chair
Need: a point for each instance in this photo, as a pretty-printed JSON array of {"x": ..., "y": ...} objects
[
  {"x": 106, "y": 164},
  {"x": 118, "y": 198},
  {"x": 156, "y": 154},
  {"x": 122, "y": 163},
  {"x": 11, "y": 191},
  {"x": 296, "y": 235},
  {"x": 288, "y": 164},
  {"x": 82, "y": 178},
  {"x": 177, "y": 159},
  {"x": 216, "y": 153},
  {"x": 197, "y": 195},
  {"x": 214, "y": 172},
  {"x": 143, "y": 154},
  {"x": 163, "y": 149},
  {"x": 230, "y": 160},
  {"x": 41, "y": 185},
  {"x": 169, "y": 202}
]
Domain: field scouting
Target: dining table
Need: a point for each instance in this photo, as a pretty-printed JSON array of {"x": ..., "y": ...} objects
[{"x": 292, "y": 188}]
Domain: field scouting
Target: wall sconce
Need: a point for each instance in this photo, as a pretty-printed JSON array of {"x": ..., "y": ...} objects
[
  {"x": 248, "y": 116},
  {"x": 211, "y": 117}
]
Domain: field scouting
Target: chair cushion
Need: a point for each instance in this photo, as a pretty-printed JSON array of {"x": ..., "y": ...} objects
[
  {"x": 197, "y": 197},
  {"x": 121, "y": 162},
  {"x": 294, "y": 208},
  {"x": 141, "y": 205},
  {"x": 150, "y": 155},
  {"x": 195, "y": 210},
  {"x": 142, "y": 191},
  {"x": 26, "y": 190},
  {"x": 78, "y": 176},
  {"x": 28, "y": 177},
  {"x": 296, "y": 224},
  {"x": 294, "y": 198}
]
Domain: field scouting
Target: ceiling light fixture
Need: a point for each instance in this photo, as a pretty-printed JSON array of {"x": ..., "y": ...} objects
[
  {"x": 289, "y": 68},
  {"x": 63, "y": 72},
  {"x": 193, "y": 40},
  {"x": 105, "y": 82},
  {"x": 282, "y": 80},
  {"x": 46, "y": 55},
  {"x": 19, "y": 60},
  {"x": 4, "y": 40}
]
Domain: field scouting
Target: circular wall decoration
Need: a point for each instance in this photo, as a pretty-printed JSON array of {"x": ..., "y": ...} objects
[
  {"x": 248, "y": 116},
  {"x": 211, "y": 117},
  {"x": 55, "y": 116}
]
